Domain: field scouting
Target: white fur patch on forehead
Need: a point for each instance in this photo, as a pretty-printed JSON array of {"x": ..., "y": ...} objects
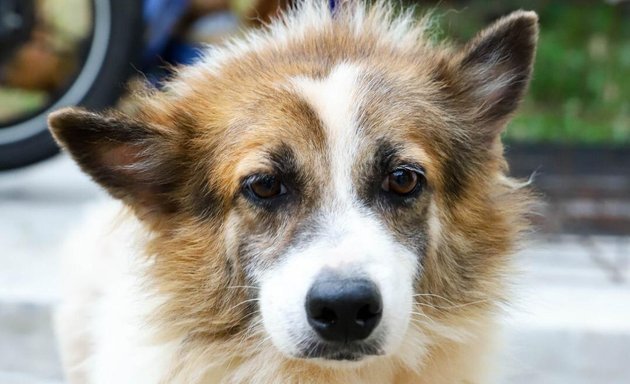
[{"x": 335, "y": 100}]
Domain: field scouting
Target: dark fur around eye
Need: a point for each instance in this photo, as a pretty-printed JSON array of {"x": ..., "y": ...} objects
[
  {"x": 274, "y": 188},
  {"x": 380, "y": 182}
]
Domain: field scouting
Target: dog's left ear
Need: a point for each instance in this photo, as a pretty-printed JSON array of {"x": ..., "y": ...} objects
[{"x": 494, "y": 68}]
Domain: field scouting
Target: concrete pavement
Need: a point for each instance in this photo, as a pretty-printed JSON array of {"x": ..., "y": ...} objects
[{"x": 570, "y": 322}]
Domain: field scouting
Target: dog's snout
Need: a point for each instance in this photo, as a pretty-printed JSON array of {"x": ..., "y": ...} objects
[{"x": 343, "y": 310}]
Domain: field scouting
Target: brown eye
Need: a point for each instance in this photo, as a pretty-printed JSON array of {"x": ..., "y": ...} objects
[
  {"x": 266, "y": 186},
  {"x": 401, "y": 181}
]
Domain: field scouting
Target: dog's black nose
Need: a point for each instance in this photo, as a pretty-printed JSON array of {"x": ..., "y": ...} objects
[{"x": 343, "y": 310}]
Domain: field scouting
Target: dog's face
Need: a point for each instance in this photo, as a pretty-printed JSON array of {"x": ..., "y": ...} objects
[
  {"x": 332, "y": 216},
  {"x": 338, "y": 195}
]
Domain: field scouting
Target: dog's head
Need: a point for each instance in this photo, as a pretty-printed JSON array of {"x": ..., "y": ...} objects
[{"x": 333, "y": 186}]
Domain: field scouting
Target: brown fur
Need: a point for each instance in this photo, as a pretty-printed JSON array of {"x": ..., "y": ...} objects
[{"x": 173, "y": 163}]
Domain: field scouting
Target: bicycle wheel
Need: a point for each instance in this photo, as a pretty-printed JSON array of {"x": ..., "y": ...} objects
[{"x": 55, "y": 54}]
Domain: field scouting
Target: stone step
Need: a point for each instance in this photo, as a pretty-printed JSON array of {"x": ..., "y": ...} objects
[
  {"x": 24, "y": 378},
  {"x": 558, "y": 356},
  {"x": 28, "y": 351}
]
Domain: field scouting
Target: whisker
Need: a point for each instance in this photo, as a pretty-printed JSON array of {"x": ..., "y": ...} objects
[
  {"x": 432, "y": 295},
  {"x": 436, "y": 306},
  {"x": 452, "y": 304},
  {"x": 243, "y": 302},
  {"x": 263, "y": 341},
  {"x": 242, "y": 286}
]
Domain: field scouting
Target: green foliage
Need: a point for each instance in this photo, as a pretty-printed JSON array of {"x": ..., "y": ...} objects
[
  {"x": 580, "y": 92},
  {"x": 16, "y": 102}
]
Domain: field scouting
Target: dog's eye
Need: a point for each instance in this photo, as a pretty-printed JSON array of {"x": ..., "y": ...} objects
[
  {"x": 266, "y": 186},
  {"x": 402, "y": 181}
]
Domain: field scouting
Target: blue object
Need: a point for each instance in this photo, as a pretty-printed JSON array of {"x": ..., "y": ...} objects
[
  {"x": 332, "y": 4},
  {"x": 161, "y": 18}
]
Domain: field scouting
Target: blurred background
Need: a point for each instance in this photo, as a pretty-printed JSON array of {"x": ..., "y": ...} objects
[{"x": 570, "y": 322}]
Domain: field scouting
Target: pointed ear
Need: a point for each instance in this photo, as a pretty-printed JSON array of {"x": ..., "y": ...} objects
[
  {"x": 134, "y": 161},
  {"x": 495, "y": 68}
]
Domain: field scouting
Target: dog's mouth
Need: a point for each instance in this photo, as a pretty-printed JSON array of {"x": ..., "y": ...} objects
[{"x": 354, "y": 351}]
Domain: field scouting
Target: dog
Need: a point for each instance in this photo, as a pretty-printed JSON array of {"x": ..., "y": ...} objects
[{"x": 324, "y": 200}]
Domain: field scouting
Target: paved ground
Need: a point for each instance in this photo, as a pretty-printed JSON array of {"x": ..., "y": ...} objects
[{"x": 570, "y": 323}]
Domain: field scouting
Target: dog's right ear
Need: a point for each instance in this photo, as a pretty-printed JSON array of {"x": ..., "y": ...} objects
[
  {"x": 493, "y": 70},
  {"x": 134, "y": 160}
]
